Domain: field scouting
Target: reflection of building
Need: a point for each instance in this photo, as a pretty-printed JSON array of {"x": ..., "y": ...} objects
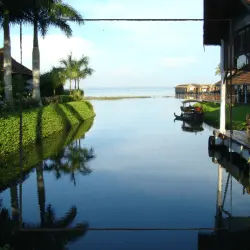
[{"x": 231, "y": 232}]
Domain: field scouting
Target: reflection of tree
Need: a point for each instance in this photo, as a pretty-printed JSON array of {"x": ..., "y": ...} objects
[
  {"x": 70, "y": 161},
  {"x": 54, "y": 235},
  {"x": 40, "y": 191}
]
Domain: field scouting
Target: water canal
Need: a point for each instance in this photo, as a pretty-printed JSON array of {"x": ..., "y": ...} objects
[{"x": 134, "y": 168}]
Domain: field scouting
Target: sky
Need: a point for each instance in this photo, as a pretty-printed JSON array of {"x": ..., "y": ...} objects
[{"x": 148, "y": 54}]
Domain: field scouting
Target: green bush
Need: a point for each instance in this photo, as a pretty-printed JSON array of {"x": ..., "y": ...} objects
[
  {"x": 10, "y": 169},
  {"x": 51, "y": 83},
  {"x": 40, "y": 123},
  {"x": 77, "y": 94},
  {"x": 57, "y": 99}
]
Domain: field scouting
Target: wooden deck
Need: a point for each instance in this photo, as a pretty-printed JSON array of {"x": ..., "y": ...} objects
[
  {"x": 238, "y": 143},
  {"x": 240, "y": 137}
]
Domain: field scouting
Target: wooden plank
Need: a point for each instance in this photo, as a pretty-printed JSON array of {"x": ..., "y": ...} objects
[{"x": 239, "y": 137}]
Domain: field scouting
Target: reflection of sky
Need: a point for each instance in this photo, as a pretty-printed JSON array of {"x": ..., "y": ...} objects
[{"x": 147, "y": 173}]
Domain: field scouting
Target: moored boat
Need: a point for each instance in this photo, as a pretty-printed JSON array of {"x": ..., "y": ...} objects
[{"x": 189, "y": 112}]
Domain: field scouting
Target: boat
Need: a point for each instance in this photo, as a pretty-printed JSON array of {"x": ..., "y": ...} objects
[{"x": 189, "y": 112}]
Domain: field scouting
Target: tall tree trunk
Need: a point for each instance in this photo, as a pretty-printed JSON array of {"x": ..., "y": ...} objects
[
  {"x": 7, "y": 63},
  {"x": 21, "y": 164},
  {"x": 40, "y": 191},
  {"x": 21, "y": 43},
  {"x": 75, "y": 84},
  {"x": 36, "y": 66},
  {"x": 78, "y": 83},
  {"x": 70, "y": 85}
]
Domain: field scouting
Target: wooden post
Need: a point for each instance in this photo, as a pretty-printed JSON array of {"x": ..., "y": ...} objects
[
  {"x": 245, "y": 93},
  {"x": 222, "y": 92},
  {"x": 238, "y": 94},
  {"x": 248, "y": 125}
]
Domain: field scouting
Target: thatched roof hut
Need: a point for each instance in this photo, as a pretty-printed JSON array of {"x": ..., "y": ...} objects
[{"x": 17, "y": 68}]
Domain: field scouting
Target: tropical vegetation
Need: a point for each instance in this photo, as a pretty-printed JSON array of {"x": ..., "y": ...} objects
[
  {"x": 41, "y": 122},
  {"x": 42, "y": 14},
  {"x": 75, "y": 70},
  {"x": 239, "y": 113}
]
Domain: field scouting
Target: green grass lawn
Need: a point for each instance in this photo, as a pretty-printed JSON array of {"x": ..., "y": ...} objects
[
  {"x": 39, "y": 123},
  {"x": 239, "y": 113}
]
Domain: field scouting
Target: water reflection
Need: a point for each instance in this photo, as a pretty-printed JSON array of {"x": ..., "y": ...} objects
[
  {"x": 191, "y": 126},
  {"x": 18, "y": 164},
  {"x": 71, "y": 160},
  {"x": 232, "y": 231},
  {"x": 51, "y": 232}
]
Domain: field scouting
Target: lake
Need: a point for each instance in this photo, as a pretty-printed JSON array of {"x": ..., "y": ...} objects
[{"x": 134, "y": 168}]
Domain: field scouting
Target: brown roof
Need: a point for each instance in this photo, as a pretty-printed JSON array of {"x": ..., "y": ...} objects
[
  {"x": 17, "y": 68},
  {"x": 241, "y": 77}
]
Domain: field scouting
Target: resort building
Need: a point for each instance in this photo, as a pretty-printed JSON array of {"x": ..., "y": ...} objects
[{"x": 227, "y": 24}]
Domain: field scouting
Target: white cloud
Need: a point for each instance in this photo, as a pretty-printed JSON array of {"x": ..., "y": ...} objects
[
  {"x": 52, "y": 49},
  {"x": 176, "y": 62}
]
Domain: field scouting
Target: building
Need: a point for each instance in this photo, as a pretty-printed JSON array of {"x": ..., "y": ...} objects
[
  {"x": 227, "y": 24},
  {"x": 17, "y": 70}
]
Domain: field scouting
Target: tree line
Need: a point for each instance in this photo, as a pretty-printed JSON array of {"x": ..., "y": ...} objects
[{"x": 42, "y": 14}]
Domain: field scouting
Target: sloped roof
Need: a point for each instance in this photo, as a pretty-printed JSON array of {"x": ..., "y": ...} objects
[
  {"x": 241, "y": 77},
  {"x": 17, "y": 68}
]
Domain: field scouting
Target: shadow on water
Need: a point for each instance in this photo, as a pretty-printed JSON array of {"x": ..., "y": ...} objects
[{"x": 232, "y": 231}]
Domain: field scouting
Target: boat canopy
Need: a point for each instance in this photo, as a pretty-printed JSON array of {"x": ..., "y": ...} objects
[{"x": 187, "y": 101}]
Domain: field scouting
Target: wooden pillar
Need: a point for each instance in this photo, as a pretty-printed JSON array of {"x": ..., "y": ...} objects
[
  {"x": 245, "y": 93},
  {"x": 248, "y": 125},
  {"x": 222, "y": 92},
  {"x": 238, "y": 93}
]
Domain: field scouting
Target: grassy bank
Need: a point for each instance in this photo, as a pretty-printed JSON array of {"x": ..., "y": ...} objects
[
  {"x": 239, "y": 112},
  {"x": 10, "y": 169},
  {"x": 39, "y": 123}
]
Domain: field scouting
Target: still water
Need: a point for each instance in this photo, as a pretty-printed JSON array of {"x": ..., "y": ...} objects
[{"x": 134, "y": 168}]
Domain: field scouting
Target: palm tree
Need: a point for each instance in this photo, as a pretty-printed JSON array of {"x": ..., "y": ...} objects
[
  {"x": 68, "y": 65},
  {"x": 10, "y": 12},
  {"x": 76, "y": 69},
  {"x": 82, "y": 69},
  {"x": 43, "y": 14},
  {"x": 218, "y": 70}
]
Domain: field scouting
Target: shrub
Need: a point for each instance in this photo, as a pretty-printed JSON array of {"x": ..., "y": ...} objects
[
  {"x": 40, "y": 123},
  {"x": 77, "y": 94},
  {"x": 57, "y": 99}
]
